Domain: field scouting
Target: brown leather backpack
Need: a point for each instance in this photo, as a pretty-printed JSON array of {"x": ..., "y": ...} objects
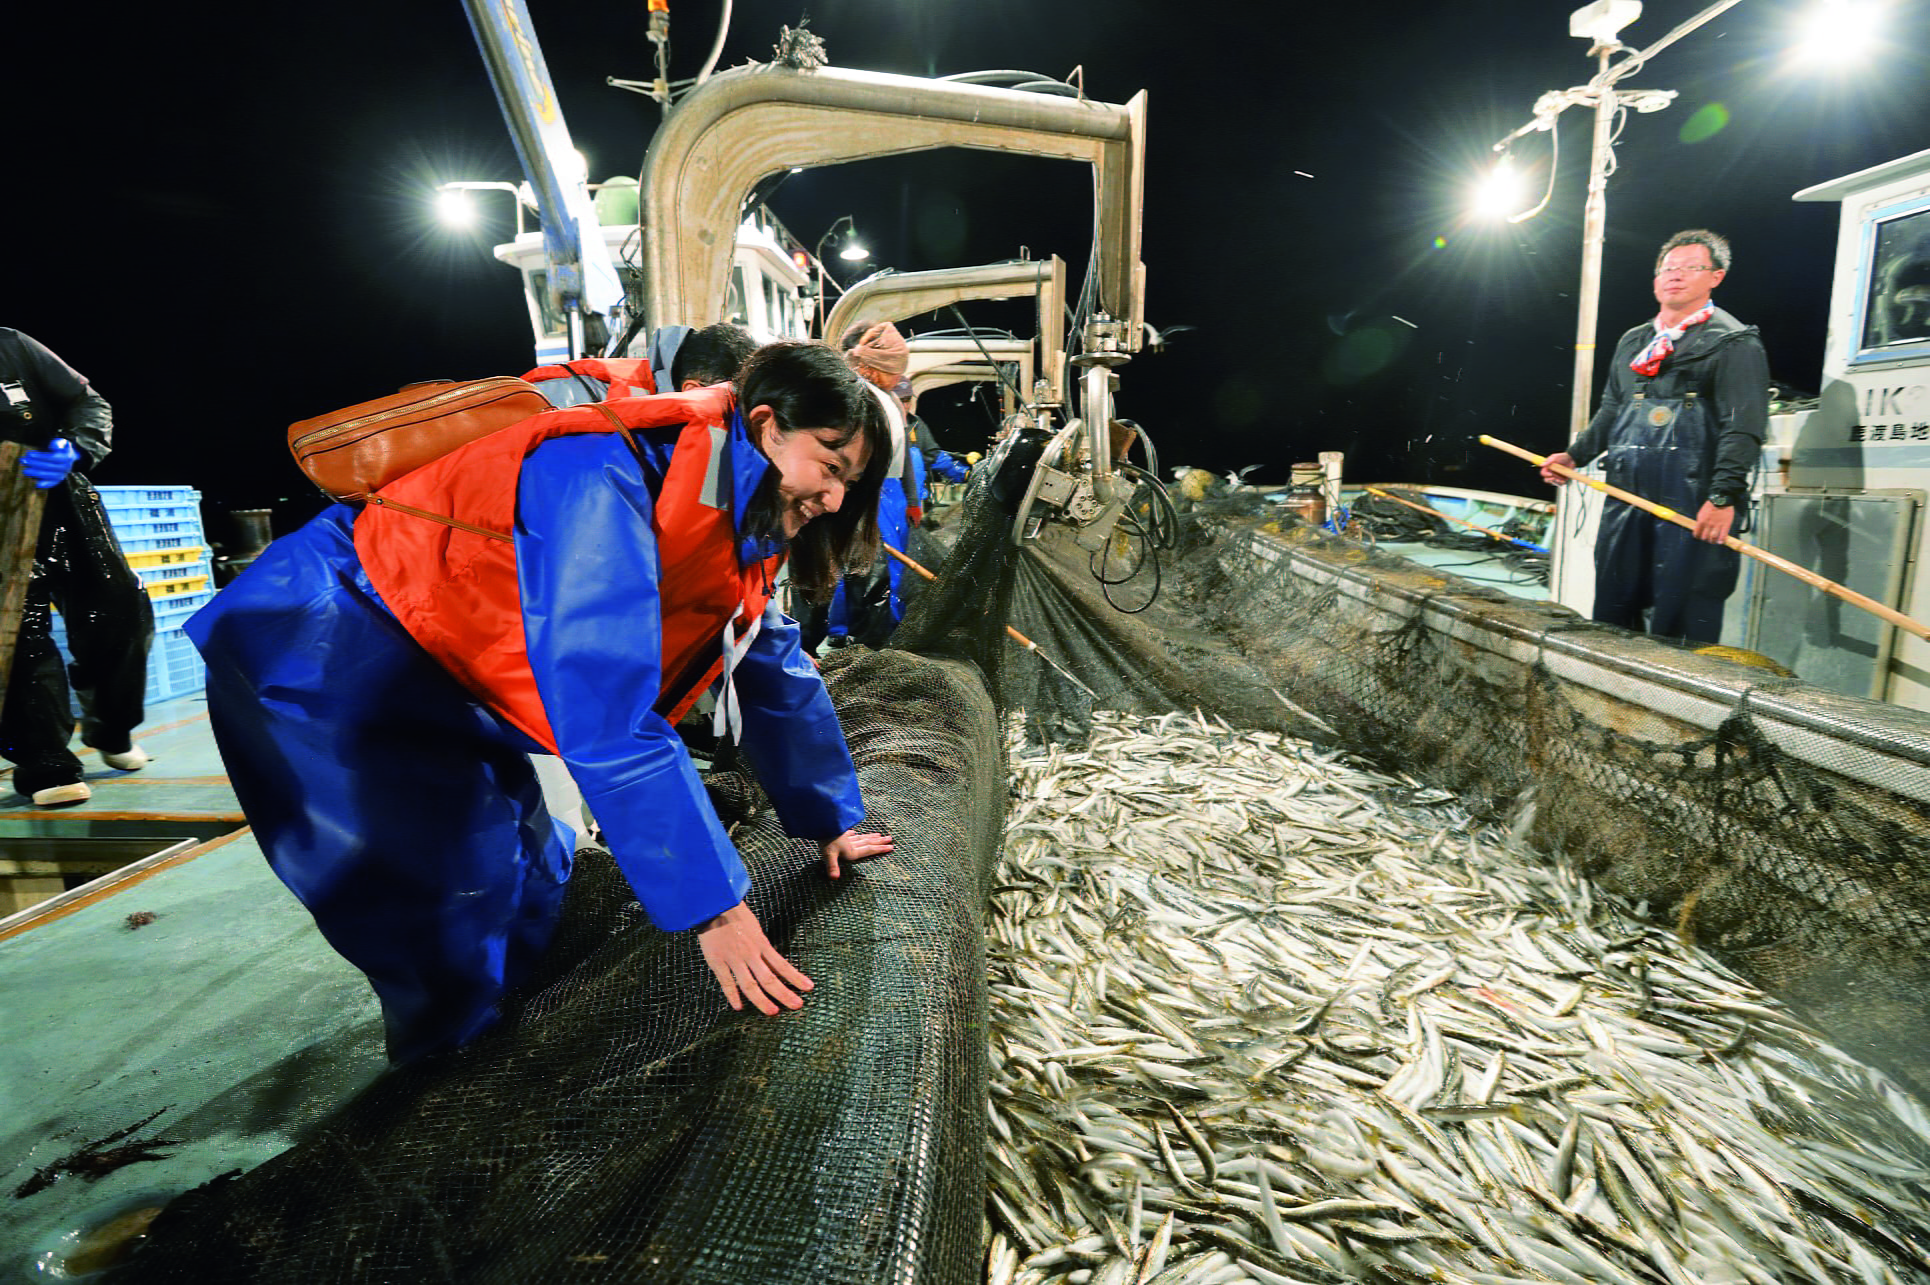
[{"x": 359, "y": 449}]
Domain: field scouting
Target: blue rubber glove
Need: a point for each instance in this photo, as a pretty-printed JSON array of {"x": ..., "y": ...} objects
[
  {"x": 47, "y": 467},
  {"x": 947, "y": 466}
]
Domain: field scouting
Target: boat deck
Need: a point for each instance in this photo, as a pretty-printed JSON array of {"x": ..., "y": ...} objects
[
  {"x": 1495, "y": 570},
  {"x": 176, "y": 991},
  {"x": 1466, "y": 552},
  {"x": 168, "y": 971}
]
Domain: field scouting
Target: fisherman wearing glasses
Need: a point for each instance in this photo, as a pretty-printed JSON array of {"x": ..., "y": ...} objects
[{"x": 1681, "y": 423}]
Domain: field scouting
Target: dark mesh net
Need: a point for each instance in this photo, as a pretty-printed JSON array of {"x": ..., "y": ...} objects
[
  {"x": 1779, "y": 825},
  {"x": 622, "y": 1124},
  {"x": 625, "y": 1126},
  {"x": 1087, "y": 640}
]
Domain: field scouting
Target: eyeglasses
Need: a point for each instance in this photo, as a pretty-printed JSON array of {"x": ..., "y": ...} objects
[{"x": 1674, "y": 271}]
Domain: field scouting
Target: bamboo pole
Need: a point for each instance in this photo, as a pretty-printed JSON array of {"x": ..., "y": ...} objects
[
  {"x": 21, "y": 504},
  {"x": 1017, "y": 637},
  {"x": 1803, "y": 574},
  {"x": 1448, "y": 517}
]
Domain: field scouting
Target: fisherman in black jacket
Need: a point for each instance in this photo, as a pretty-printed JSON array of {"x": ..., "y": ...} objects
[
  {"x": 78, "y": 567},
  {"x": 1681, "y": 423}
]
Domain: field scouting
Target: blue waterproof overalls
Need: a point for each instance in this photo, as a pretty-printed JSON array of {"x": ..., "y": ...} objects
[{"x": 404, "y": 812}]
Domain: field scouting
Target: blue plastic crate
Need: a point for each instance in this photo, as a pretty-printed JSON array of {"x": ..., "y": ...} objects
[
  {"x": 174, "y": 667},
  {"x": 172, "y": 612},
  {"x": 122, "y": 496},
  {"x": 145, "y": 534},
  {"x": 135, "y": 513},
  {"x": 143, "y": 543},
  {"x": 145, "y": 518}
]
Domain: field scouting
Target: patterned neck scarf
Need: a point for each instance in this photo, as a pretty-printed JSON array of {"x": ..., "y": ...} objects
[{"x": 1649, "y": 360}]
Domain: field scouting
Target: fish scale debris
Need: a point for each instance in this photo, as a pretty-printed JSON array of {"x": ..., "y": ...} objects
[{"x": 1261, "y": 1012}]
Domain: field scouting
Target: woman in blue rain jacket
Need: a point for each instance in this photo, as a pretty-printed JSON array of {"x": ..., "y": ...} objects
[{"x": 568, "y": 585}]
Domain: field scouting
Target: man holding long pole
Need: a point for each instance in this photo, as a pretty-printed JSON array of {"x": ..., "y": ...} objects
[{"x": 1683, "y": 412}]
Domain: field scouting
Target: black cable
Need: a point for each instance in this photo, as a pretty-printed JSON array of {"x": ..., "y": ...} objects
[
  {"x": 997, "y": 367},
  {"x": 1152, "y": 555},
  {"x": 1150, "y": 544},
  {"x": 1165, "y": 518}
]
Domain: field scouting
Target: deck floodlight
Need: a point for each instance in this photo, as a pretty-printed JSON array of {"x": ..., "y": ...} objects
[
  {"x": 455, "y": 208},
  {"x": 1838, "y": 33},
  {"x": 1497, "y": 194},
  {"x": 1599, "y": 22},
  {"x": 850, "y": 248}
]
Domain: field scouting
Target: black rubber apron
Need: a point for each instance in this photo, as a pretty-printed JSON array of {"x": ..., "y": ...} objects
[{"x": 1651, "y": 574}]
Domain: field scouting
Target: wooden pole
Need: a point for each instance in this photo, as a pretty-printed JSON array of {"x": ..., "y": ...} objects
[
  {"x": 1017, "y": 637},
  {"x": 1448, "y": 517},
  {"x": 21, "y": 504},
  {"x": 1803, "y": 574}
]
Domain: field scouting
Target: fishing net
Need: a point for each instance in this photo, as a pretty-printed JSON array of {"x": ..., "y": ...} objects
[
  {"x": 1089, "y": 641},
  {"x": 622, "y": 1124},
  {"x": 1779, "y": 825}
]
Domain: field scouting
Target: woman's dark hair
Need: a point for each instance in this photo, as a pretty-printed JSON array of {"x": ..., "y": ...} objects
[
  {"x": 809, "y": 386},
  {"x": 712, "y": 355}
]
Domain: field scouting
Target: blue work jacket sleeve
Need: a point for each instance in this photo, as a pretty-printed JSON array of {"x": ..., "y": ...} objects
[
  {"x": 792, "y": 737},
  {"x": 915, "y": 469},
  {"x": 950, "y": 467},
  {"x": 587, "y": 566}
]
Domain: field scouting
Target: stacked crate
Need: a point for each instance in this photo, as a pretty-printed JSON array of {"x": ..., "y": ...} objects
[{"x": 159, "y": 529}]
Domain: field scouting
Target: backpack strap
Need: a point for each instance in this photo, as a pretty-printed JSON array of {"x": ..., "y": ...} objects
[{"x": 446, "y": 521}]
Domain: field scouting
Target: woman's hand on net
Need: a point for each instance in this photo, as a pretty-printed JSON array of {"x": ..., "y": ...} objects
[
  {"x": 747, "y": 966},
  {"x": 852, "y": 846}
]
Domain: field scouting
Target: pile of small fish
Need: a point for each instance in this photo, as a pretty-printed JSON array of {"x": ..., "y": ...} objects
[{"x": 1262, "y": 1013}]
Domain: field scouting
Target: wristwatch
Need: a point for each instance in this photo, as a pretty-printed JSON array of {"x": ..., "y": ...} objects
[{"x": 1720, "y": 501}]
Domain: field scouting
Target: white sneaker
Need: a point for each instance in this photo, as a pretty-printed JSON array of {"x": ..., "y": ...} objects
[
  {"x": 54, "y": 795},
  {"x": 134, "y": 760}
]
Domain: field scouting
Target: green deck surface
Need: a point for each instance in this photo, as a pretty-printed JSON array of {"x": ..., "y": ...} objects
[
  {"x": 227, "y": 1012},
  {"x": 1491, "y": 570}
]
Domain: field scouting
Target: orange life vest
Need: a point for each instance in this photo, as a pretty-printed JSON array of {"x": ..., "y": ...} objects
[
  {"x": 623, "y": 376},
  {"x": 455, "y": 591}
]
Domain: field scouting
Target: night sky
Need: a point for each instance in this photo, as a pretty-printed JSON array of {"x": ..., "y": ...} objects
[{"x": 224, "y": 222}]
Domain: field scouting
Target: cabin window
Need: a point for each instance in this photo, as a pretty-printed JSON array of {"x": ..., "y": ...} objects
[
  {"x": 1894, "y": 310},
  {"x": 549, "y": 322},
  {"x": 774, "y": 309},
  {"x": 735, "y": 310}
]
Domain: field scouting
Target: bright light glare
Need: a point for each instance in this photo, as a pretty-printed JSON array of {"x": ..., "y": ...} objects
[
  {"x": 1838, "y": 33},
  {"x": 854, "y": 250},
  {"x": 1500, "y": 193},
  {"x": 456, "y": 209}
]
